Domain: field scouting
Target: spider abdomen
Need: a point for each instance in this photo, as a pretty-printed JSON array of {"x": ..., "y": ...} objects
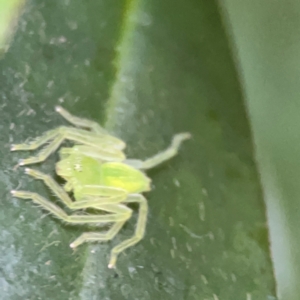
[{"x": 120, "y": 175}]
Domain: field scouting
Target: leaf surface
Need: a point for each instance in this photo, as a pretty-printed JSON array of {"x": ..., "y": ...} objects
[{"x": 145, "y": 70}]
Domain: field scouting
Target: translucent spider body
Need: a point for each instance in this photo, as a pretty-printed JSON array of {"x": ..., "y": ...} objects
[{"x": 100, "y": 177}]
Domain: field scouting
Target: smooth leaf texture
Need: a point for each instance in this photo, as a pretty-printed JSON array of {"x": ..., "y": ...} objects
[
  {"x": 145, "y": 70},
  {"x": 267, "y": 41}
]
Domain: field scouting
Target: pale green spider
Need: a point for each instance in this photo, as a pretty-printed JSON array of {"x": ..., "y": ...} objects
[{"x": 99, "y": 175}]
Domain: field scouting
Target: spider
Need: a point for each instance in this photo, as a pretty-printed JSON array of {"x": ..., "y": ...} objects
[{"x": 98, "y": 174}]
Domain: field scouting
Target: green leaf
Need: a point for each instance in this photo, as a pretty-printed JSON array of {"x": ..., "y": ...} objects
[
  {"x": 267, "y": 44},
  {"x": 9, "y": 11},
  {"x": 145, "y": 70}
]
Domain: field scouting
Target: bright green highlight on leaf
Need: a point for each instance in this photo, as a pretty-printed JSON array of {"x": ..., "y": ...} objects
[
  {"x": 97, "y": 180},
  {"x": 9, "y": 11}
]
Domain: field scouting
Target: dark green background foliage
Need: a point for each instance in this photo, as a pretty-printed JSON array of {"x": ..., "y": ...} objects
[{"x": 145, "y": 70}]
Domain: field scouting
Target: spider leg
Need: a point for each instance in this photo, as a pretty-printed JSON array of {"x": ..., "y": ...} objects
[
  {"x": 107, "y": 147},
  {"x": 80, "y": 122},
  {"x": 102, "y": 198},
  {"x": 104, "y": 195},
  {"x": 139, "y": 231},
  {"x": 119, "y": 212},
  {"x": 37, "y": 142},
  {"x": 81, "y": 150},
  {"x": 161, "y": 156},
  {"x": 96, "y": 236}
]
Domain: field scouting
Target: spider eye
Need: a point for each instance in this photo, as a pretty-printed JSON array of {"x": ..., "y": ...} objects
[{"x": 77, "y": 167}]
